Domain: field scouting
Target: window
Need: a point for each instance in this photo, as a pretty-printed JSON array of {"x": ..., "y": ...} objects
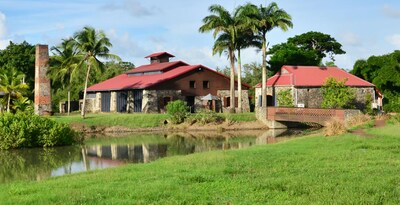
[
  {"x": 192, "y": 84},
  {"x": 206, "y": 84}
]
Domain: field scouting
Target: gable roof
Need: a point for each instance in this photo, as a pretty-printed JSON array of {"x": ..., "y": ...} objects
[
  {"x": 124, "y": 81},
  {"x": 156, "y": 66},
  {"x": 313, "y": 76},
  {"x": 159, "y": 54}
]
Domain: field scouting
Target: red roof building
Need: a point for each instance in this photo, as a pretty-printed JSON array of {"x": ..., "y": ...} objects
[
  {"x": 148, "y": 88},
  {"x": 305, "y": 83}
]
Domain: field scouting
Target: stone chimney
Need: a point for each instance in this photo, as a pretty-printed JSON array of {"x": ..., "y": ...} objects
[{"x": 42, "y": 83}]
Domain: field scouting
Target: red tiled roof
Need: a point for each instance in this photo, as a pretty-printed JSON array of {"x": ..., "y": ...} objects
[
  {"x": 313, "y": 76},
  {"x": 159, "y": 54},
  {"x": 156, "y": 67}
]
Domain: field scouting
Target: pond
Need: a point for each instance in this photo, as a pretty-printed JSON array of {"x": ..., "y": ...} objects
[{"x": 101, "y": 152}]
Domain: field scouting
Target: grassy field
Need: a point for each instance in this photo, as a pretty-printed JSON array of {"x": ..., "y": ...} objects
[
  {"x": 346, "y": 169},
  {"x": 135, "y": 120}
]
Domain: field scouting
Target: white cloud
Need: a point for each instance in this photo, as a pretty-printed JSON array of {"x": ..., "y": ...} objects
[
  {"x": 394, "y": 40},
  {"x": 349, "y": 38},
  {"x": 3, "y": 42},
  {"x": 390, "y": 11}
]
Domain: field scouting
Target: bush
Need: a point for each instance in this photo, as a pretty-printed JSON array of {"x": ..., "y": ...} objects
[
  {"x": 178, "y": 111},
  {"x": 394, "y": 119},
  {"x": 285, "y": 98},
  {"x": 359, "y": 120},
  {"x": 204, "y": 117},
  {"x": 28, "y": 130}
]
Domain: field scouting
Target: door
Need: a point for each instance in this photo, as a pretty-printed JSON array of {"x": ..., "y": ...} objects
[
  {"x": 137, "y": 100},
  {"x": 190, "y": 103},
  {"x": 105, "y": 101},
  {"x": 122, "y": 101}
]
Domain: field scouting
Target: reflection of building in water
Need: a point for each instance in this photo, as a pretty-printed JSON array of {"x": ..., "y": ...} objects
[{"x": 132, "y": 153}]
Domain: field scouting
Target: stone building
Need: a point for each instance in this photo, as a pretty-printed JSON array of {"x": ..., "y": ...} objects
[
  {"x": 148, "y": 88},
  {"x": 305, "y": 82}
]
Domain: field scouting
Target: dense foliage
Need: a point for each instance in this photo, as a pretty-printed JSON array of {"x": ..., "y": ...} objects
[
  {"x": 285, "y": 98},
  {"x": 384, "y": 72},
  {"x": 336, "y": 94},
  {"x": 25, "y": 129},
  {"x": 305, "y": 49},
  {"x": 177, "y": 111}
]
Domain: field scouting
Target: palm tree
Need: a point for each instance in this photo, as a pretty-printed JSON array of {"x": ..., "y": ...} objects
[
  {"x": 268, "y": 18},
  {"x": 12, "y": 84},
  {"x": 225, "y": 25},
  {"x": 66, "y": 60},
  {"x": 93, "y": 46}
]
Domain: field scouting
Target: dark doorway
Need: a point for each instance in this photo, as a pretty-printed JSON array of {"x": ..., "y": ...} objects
[
  {"x": 105, "y": 101},
  {"x": 190, "y": 103},
  {"x": 137, "y": 100},
  {"x": 122, "y": 100}
]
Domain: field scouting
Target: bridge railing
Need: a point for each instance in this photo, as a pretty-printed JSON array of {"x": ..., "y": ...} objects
[{"x": 316, "y": 115}]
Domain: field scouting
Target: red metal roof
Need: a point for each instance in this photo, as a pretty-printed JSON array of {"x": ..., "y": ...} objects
[
  {"x": 159, "y": 54},
  {"x": 157, "y": 67},
  {"x": 313, "y": 76},
  {"x": 124, "y": 81}
]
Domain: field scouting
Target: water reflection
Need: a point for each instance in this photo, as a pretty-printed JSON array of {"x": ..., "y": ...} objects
[{"x": 104, "y": 152}]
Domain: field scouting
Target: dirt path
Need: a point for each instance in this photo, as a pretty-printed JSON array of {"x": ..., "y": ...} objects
[{"x": 361, "y": 131}]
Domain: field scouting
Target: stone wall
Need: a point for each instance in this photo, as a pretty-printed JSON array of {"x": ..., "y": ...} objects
[
  {"x": 151, "y": 99},
  {"x": 311, "y": 97},
  {"x": 245, "y": 100},
  {"x": 113, "y": 102}
]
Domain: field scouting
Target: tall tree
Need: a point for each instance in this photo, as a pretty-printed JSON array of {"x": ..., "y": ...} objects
[
  {"x": 20, "y": 56},
  {"x": 322, "y": 43},
  {"x": 64, "y": 67},
  {"x": 225, "y": 27},
  {"x": 93, "y": 46},
  {"x": 268, "y": 18},
  {"x": 12, "y": 84}
]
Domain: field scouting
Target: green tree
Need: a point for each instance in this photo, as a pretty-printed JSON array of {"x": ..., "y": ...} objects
[
  {"x": 336, "y": 94},
  {"x": 12, "y": 84},
  {"x": 225, "y": 25},
  {"x": 290, "y": 54},
  {"x": 93, "y": 46},
  {"x": 384, "y": 72},
  {"x": 22, "y": 58},
  {"x": 266, "y": 19},
  {"x": 322, "y": 43},
  {"x": 64, "y": 66}
]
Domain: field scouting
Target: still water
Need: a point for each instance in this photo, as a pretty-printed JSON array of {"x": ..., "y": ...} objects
[{"x": 101, "y": 152}]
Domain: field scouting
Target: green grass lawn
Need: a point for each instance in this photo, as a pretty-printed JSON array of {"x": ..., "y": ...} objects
[
  {"x": 135, "y": 120},
  {"x": 346, "y": 169}
]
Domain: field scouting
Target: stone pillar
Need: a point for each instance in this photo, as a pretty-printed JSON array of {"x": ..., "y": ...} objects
[
  {"x": 42, "y": 83},
  {"x": 113, "y": 102}
]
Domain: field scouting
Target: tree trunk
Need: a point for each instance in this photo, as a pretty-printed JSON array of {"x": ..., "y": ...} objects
[
  {"x": 84, "y": 94},
  {"x": 264, "y": 74},
  {"x": 240, "y": 109},
  {"x": 8, "y": 102},
  {"x": 232, "y": 81},
  {"x": 69, "y": 100}
]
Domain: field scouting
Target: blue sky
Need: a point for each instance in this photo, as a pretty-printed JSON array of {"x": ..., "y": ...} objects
[{"x": 138, "y": 27}]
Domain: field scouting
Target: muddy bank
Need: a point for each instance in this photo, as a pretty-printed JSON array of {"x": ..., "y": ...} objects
[{"x": 225, "y": 126}]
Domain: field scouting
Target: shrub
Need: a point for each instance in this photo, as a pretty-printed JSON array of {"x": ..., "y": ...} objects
[
  {"x": 204, "y": 117},
  {"x": 394, "y": 119},
  {"x": 285, "y": 98},
  {"x": 28, "y": 130},
  {"x": 178, "y": 111},
  {"x": 336, "y": 94},
  {"x": 335, "y": 127}
]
